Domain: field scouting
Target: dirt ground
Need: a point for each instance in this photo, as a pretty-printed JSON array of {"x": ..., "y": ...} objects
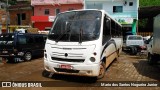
[{"x": 127, "y": 69}]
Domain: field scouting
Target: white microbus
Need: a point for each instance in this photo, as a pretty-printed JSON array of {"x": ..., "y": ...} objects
[{"x": 82, "y": 42}]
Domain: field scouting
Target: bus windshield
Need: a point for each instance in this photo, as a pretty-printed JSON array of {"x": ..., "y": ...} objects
[
  {"x": 76, "y": 26},
  {"x": 6, "y": 39}
]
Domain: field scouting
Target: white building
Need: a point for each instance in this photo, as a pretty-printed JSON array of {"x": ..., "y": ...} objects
[{"x": 124, "y": 11}]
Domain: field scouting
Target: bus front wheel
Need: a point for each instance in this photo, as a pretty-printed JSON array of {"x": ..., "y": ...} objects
[{"x": 102, "y": 71}]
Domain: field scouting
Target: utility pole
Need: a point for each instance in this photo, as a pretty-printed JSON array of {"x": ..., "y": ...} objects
[{"x": 7, "y": 18}]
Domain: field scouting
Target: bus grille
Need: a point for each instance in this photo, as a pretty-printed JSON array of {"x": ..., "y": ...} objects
[
  {"x": 66, "y": 70},
  {"x": 79, "y": 55},
  {"x": 68, "y": 60}
]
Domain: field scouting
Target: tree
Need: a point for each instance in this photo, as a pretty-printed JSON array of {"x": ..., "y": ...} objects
[
  {"x": 149, "y": 3},
  {"x": 11, "y": 2},
  {"x": 143, "y": 23}
]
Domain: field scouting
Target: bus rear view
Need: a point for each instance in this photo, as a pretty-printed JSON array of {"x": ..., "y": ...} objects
[{"x": 74, "y": 44}]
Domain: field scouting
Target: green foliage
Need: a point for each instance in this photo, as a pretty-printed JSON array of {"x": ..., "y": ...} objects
[
  {"x": 11, "y": 2},
  {"x": 142, "y": 23},
  {"x": 14, "y": 2},
  {"x": 149, "y": 3}
]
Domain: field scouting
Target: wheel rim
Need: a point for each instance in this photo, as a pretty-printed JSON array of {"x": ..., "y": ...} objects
[{"x": 28, "y": 56}]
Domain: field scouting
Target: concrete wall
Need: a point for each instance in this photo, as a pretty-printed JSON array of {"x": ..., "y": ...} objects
[
  {"x": 128, "y": 17},
  {"x": 128, "y": 11},
  {"x": 14, "y": 18}
]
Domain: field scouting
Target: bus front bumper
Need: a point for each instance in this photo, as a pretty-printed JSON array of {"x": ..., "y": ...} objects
[{"x": 76, "y": 69}]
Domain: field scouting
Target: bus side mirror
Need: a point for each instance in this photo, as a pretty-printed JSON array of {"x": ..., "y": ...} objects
[{"x": 146, "y": 41}]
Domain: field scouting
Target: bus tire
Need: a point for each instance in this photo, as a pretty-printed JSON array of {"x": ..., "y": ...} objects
[
  {"x": 45, "y": 73},
  {"x": 27, "y": 56},
  {"x": 102, "y": 71}
]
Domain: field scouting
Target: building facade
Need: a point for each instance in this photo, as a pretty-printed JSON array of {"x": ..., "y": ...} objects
[
  {"x": 20, "y": 15},
  {"x": 45, "y": 11},
  {"x": 3, "y": 18},
  {"x": 124, "y": 11}
]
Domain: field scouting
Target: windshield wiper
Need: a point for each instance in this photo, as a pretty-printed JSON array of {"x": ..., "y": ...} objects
[
  {"x": 66, "y": 31},
  {"x": 80, "y": 34}
]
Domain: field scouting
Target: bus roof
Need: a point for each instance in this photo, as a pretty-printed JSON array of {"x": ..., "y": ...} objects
[{"x": 103, "y": 11}]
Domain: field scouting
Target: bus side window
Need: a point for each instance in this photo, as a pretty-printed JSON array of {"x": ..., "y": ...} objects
[
  {"x": 113, "y": 27},
  {"x": 108, "y": 33},
  {"x": 120, "y": 31},
  {"x": 106, "y": 30}
]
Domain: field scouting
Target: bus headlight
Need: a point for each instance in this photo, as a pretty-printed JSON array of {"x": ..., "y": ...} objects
[{"x": 92, "y": 59}]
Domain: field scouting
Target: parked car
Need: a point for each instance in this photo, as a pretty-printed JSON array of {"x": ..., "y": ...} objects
[
  {"x": 24, "y": 46},
  {"x": 134, "y": 44}
]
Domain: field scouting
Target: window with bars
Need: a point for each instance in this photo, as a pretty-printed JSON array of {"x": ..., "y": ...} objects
[
  {"x": 57, "y": 11},
  {"x": 46, "y": 12},
  {"x": 117, "y": 9}
]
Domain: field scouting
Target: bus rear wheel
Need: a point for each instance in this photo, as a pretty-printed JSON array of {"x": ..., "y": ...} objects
[
  {"x": 102, "y": 71},
  {"x": 27, "y": 56},
  {"x": 45, "y": 73}
]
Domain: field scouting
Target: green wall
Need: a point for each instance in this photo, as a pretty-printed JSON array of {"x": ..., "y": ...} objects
[{"x": 134, "y": 27}]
